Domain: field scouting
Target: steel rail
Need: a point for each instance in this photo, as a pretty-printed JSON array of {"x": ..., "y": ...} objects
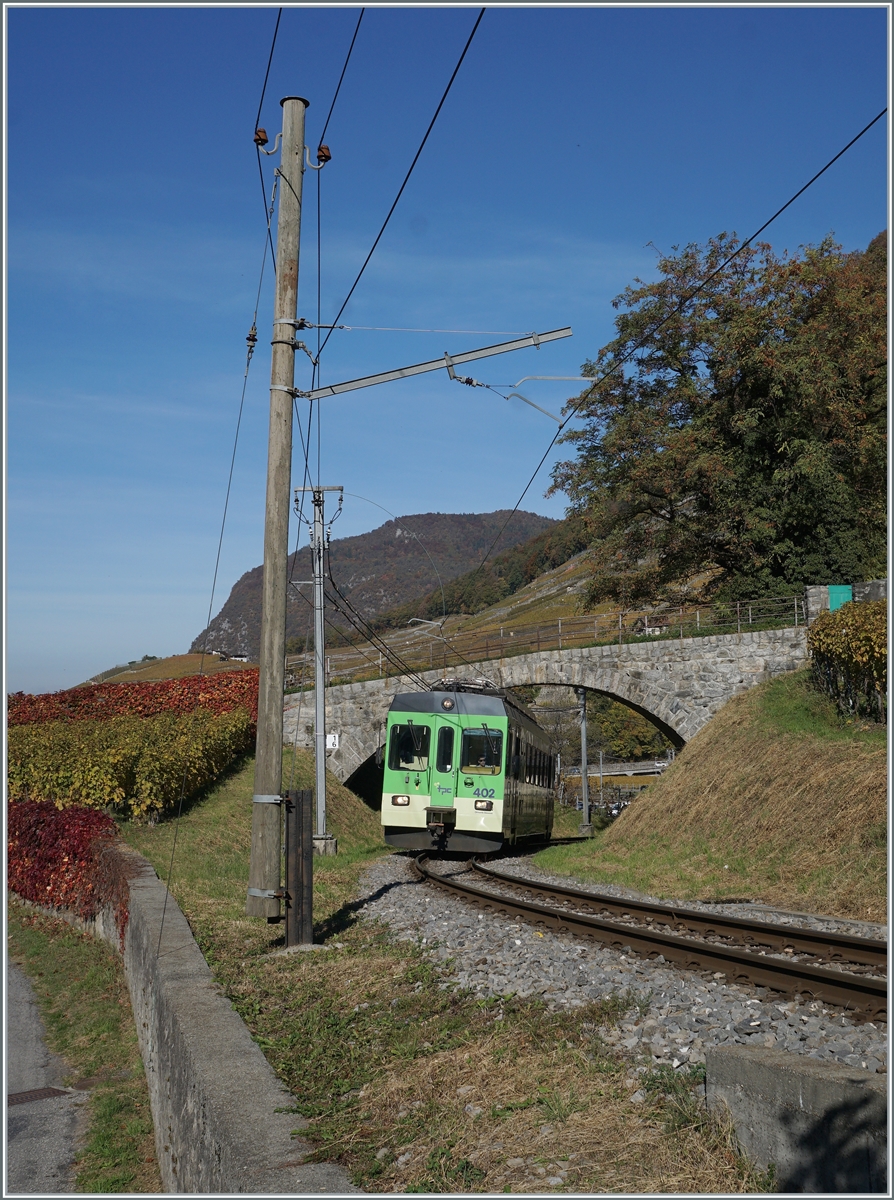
[
  {"x": 834, "y": 947},
  {"x": 863, "y": 996}
]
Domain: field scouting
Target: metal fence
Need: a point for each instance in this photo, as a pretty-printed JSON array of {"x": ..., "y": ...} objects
[{"x": 423, "y": 651}]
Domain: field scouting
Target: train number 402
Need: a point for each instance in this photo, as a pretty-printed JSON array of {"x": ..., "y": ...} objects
[{"x": 483, "y": 793}]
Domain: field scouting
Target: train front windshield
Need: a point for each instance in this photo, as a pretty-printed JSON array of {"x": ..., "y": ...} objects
[
  {"x": 409, "y": 747},
  {"x": 482, "y": 751}
]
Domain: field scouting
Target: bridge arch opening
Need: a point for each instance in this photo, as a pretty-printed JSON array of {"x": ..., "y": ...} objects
[
  {"x": 368, "y": 779},
  {"x": 666, "y": 731}
]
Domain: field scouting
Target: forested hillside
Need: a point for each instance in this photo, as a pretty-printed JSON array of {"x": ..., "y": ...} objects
[
  {"x": 501, "y": 576},
  {"x": 736, "y": 425}
]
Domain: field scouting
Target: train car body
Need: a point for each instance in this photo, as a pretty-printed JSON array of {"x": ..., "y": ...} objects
[{"x": 466, "y": 769}]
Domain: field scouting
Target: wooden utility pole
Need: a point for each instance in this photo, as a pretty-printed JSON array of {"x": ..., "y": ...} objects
[{"x": 266, "y": 835}]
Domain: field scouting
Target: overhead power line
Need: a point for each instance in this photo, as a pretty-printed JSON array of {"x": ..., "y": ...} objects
[
  {"x": 674, "y": 312},
  {"x": 257, "y": 145},
  {"x": 400, "y": 191},
  {"x": 341, "y": 77}
]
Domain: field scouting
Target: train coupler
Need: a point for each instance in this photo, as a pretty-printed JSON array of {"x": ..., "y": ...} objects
[{"x": 441, "y": 822}]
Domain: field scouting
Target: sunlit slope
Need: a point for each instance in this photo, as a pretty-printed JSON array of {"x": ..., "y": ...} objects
[
  {"x": 176, "y": 666},
  {"x": 774, "y": 800}
]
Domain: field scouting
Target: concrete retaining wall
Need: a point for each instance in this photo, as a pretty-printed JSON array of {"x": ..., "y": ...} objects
[
  {"x": 823, "y": 1125},
  {"x": 214, "y": 1096}
]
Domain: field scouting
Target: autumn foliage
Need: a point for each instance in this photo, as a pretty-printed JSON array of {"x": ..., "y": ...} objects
[
  {"x": 216, "y": 693},
  {"x": 850, "y": 657},
  {"x": 66, "y": 859},
  {"x": 139, "y": 766},
  {"x": 133, "y": 747}
]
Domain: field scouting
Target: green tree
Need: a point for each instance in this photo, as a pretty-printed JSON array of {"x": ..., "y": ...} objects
[{"x": 740, "y": 436}]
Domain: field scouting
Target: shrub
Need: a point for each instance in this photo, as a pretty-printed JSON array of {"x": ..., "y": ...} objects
[
  {"x": 66, "y": 859},
  {"x": 849, "y": 651},
  {"x": 217, "y": 693},
  {"x": 139, "y": 766}
]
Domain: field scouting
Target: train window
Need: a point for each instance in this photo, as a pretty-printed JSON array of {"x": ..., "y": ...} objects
[
  {"x": 482, "y": 751},
  {"x": 408, "y": 749},
  {"x": 445, "y": 749}
]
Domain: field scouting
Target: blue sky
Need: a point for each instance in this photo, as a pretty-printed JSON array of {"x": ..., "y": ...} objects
[{"x": 571, "y": 140}]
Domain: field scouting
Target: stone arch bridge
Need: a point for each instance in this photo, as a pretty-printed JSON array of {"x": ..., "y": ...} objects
[{"x": 678, "y": 685}]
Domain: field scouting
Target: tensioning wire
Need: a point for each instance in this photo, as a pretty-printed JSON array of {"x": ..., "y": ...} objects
[{"x": 619, "y": 362}]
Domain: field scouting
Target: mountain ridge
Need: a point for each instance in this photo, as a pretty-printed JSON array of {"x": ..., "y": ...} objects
[{"x": 395, "y": 563}]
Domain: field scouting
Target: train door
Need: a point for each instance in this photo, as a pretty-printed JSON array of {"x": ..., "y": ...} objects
[
  {"x": 410, "y": 754},
  {"x": 445, "y": 777}
]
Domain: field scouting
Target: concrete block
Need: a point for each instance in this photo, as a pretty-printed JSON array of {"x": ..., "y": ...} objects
[{"x": 823, "y": 1125}]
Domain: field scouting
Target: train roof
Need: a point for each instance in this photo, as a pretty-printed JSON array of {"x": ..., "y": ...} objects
[{"x": 464, "y": 703}]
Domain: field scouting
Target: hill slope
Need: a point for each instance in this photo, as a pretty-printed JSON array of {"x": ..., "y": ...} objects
[
  {"x": 394, "y": 564},
  {"x": 774, "y": 801}
]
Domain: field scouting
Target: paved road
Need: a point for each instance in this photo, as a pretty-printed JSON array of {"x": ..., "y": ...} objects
[{"x": 41, "y": 1135}]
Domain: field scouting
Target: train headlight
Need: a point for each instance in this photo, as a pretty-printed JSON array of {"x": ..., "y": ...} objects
[
  {"x": 403, "y": 801},
  {"x": 484, "y": 805}
]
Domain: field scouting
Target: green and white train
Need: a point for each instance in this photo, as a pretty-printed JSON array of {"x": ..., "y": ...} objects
[{"x": 467, "y": 768}]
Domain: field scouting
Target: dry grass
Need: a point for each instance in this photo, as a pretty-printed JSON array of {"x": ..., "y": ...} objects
[
  {"x": 760, "y": 805},
  {"x": 375, "y": 1049},
  {"x": 414, "y": 1088},
  {"x": 177, "y": 666}
]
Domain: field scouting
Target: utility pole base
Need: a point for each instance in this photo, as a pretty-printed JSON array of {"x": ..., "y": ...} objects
[
  {"x": 326, "y": 845},
  {"x": 585, "y": 830}
]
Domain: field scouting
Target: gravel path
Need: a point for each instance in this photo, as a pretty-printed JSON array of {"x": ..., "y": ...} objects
[{"x": 674, "y": 1014}]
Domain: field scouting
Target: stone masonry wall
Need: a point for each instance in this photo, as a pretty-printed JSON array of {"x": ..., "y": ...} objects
[{"x": 680, "y": 685}]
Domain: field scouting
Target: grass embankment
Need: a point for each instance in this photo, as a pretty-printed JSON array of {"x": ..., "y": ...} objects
[
  {"x": 176, "y": 666},
  {"x": 776, "y": 800},
  {"x": 82, "y": 998},
  {"x": 415, "y": 1087}
]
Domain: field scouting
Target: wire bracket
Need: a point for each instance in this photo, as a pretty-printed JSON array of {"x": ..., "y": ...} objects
[
  {"x": 266, "y": 799},
  {"x": 293, "y": 392},
  {"x": 466, "y": 379},
  {"x": 261, "y": 144}
]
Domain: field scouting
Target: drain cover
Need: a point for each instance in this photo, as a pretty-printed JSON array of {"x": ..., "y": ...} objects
[{"x": 35, "y": 1094}]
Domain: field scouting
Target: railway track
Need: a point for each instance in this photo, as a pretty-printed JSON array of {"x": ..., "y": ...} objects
[{"x": 781, "y": 957}]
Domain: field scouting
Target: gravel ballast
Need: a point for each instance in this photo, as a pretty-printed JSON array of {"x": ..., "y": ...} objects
[{"x": 673, "y": 1014}]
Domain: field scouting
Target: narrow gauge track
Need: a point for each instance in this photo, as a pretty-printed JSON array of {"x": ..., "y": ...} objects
[{"x": 863, "y": 995}]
